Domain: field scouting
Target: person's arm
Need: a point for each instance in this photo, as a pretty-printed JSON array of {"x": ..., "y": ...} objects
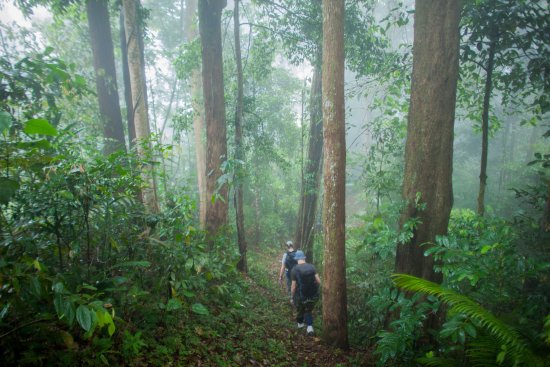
[
  {"x": 317, "y": 279},
  {"x": 282, "y": 271},
  {"x": 292, "y": 291}
]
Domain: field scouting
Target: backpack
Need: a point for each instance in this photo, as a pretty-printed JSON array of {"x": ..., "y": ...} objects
[
  {"x": 307, "y": 286},
  {"x": 290, "y": 261}
]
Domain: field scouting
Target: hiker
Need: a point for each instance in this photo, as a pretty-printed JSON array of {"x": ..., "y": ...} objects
[
  {"x": 304, "y": 291},
  {"x": 287, "y": 264}
]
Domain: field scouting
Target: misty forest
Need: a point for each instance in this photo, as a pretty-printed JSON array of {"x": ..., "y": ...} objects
[{"x": 160, "y": 160}]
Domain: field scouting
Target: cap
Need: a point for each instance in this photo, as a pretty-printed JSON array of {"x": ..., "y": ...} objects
[
  {"x": 299, "y": 255},
  {"x": 289, "y": 243}
]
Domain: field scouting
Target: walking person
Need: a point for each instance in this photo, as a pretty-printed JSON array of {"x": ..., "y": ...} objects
[
  {"x": 304, "y": 291},
  {"x": 287, "y": 264}
]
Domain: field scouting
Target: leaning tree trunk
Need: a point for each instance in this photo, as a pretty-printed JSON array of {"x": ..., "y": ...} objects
[
  {"x": 311, "y": 178},
  {"x": 139, "y": 100},
  {"x": 427, "y": 184},
  {"x": 485, "y": 128},
  {"x": 335, "y": 331},
  {"x": 210, "y": 12},
  {"x": 105, "y": 74},
  {"x": 239, "y": 154}
]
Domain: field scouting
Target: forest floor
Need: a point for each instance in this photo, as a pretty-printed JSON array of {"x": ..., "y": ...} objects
[
  {"x": 278, "y": 319},
  {"x": 258, "y": 330}
]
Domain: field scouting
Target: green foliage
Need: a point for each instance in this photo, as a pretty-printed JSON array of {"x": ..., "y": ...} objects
[
  {"x": 82, "y": 266},
  {"x": 506, "y": 346},
  {"x": 400, "y": 345},
  {"x": 188, "y": 59}
]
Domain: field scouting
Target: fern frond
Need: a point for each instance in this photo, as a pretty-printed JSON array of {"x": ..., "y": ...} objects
[
  {"x": 439, "y": 362},
  {"x": 483, "y": 351},
  {"x": 504, "y": 333}
]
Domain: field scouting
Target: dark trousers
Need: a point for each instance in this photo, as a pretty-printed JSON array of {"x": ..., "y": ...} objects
[{"x": 304, "y": 311}]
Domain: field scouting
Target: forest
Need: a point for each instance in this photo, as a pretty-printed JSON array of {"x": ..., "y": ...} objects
[{"x": 158, "y": 157}]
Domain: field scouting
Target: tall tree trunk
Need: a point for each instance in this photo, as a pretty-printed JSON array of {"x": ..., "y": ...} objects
[
  {"x": 210, "y": 12},
  {"x": 311, "y": 178},
  {"x": 429, "y": 146},
  {"x": 127, "y": 84},
  {"x": 335, "y": 331},
  {"x": 485, "y": 127},
  {"x": 198, "y": 114},
  {"x": 105, "y": 75},
  {"x": 239, "y": 153},
  {"x": 139, "y": 100}
]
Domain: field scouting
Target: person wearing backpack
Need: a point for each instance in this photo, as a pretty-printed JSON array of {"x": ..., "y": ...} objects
[
  {"x": 304, "y": 291},
  {"x": 287, "y": 264}
]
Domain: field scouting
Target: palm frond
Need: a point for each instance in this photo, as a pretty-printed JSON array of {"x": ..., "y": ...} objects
[
  {"x": 483, "y": 352},
  {"x": 439, "y": 362},
  {"x": 504, "y": 333}
]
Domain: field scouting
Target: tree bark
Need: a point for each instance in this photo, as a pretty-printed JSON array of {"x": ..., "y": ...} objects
[
  {"x": 198, "y": 113},
  {"x": 239, "y": 153},
  {"x": 485, "y": 128},
  {"x": 429, "y": 146},
  {"x": 311, "y": 178},
  {"x": 127, "y": 84},
  {"x": 139, "y": 100},
  {"x": 105, "y": 75},
  {"x": 335, "y": 330},
  {"x": 210, "y": 12}
]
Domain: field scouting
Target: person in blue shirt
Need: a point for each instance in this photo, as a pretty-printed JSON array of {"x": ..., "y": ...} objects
[{"x": 304, "y": 291}]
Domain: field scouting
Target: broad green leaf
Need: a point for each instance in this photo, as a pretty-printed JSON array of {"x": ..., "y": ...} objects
[
  {"x": 173, "y": 304},
  {"x": 68, "y": 311},
  {"x": 58, "y": 303},
  {"x": 486, "y": 249},
  {"x": 104, "y": 318},
  {"x": 4, "y": 311},
  {"x": 36, "y": 287},
  {"x": 36, "y": 264},
  {"x": 5, "y": 121},
  {"x": 39, "y": 144},
  {"x": 471, "y": 330},
  {"x": 39, "y": 126},
  {"x": 199, "y": 309},
  {"x": 84, "y": 317},
  {"x": 8, "y": 188},
  {"x": 58, "y": 287},
  {"x": 188, "y": 294}
]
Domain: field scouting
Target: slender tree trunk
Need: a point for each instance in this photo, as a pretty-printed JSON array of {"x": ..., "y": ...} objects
[
  {"x": 198, "y": 113},
  {"x": 429, "y": 146},
  {"x": 239, "y": 154},
  {"x": 127, "y": 84},
  {"x": 545, "y": 222},
  {"x": 139, "y": 100},
  {"x": 310, "y": 181},
  {"x": 210, "y": 12},
  {"x": 257, "y": 214},
  {"x": 504, "y": 157},
  {"x": 335, "y": 331},
  {"x": 485, "y": 128},
  {"x": 105, "y": 74}
]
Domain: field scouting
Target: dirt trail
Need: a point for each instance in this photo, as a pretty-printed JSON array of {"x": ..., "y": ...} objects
[{"x": 306, "y": 350}]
